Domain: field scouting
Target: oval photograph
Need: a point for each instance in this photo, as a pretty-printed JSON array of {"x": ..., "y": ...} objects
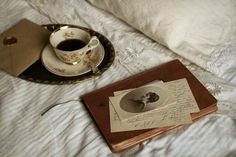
[{"x": 143, "y": 99}]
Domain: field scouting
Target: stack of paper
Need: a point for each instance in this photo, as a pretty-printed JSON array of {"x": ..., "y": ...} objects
[{"x": 157, "y": 104}]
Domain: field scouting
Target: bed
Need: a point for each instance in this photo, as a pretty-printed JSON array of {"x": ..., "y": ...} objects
[{"x": 68, "y": 130}]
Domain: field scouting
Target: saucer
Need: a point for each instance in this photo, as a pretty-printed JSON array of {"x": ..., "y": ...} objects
[
  {"x": 39, "y": 74},
  {"x": 54, "y": 65}
]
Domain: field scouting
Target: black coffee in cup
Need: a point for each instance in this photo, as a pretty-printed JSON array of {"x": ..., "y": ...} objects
[{"x": 71, "y": 45}]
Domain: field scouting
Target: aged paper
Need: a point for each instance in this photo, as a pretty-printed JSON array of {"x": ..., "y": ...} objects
[
  {"x": 21, "y": 46},
  {"x": 173, "y": 115},
  {"x": 148, "y": 121},
  {"x": 181, "y": 90},
  {"x": 142, "y": 100}
]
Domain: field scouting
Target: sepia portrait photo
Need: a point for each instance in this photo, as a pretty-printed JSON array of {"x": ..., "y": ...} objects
[{"x": 143, "y": 99}]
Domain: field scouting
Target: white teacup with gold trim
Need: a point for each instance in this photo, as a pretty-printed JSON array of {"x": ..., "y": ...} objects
[{"x": 71, "y": 44}]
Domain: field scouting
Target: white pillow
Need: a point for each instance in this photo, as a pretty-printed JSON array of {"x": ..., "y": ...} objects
[{"x": 195, "y": 29}]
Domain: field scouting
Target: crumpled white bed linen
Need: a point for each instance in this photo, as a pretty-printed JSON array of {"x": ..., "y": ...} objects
[
  {"x": 68, "y": 130},
  {"x": 202, "y": 31}
]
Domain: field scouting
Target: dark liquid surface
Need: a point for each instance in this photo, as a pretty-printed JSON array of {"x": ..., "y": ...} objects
[{"x": 70, "y": 45}]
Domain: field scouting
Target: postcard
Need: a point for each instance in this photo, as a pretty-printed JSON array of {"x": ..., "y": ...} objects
[
  {"x": 174, "y": 114},
  {"x": 142, "y": 100},
  {"x": 148, "y": 121}
]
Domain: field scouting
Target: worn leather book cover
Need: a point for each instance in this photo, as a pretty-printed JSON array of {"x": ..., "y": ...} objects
[{"x": 97, "y": 103}]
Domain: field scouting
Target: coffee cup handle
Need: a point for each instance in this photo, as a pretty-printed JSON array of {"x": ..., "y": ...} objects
[{"x": 93, "y": 43}]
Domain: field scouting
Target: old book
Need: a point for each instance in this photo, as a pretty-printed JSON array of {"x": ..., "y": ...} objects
[{"x": 97, "y": 103}]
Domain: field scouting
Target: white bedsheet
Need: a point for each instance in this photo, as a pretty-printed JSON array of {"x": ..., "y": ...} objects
[{"x": 68, "y": 130}]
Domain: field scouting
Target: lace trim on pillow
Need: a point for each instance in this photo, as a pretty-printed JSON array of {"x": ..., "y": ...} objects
[{"x": 222, "y": 62}]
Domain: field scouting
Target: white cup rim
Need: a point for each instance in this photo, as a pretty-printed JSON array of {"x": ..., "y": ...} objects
[
  {"x": 67, "y": 33},
  {"x": 64, "y": 28}
]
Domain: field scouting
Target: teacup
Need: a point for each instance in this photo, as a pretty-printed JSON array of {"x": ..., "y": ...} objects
[{"x": 71, "y": 44}]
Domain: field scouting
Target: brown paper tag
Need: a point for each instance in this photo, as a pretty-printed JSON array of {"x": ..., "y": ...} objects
[{"x": 21, "y": 45}]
